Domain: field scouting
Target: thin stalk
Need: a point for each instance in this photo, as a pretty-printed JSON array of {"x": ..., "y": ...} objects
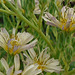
[
  {"x": 57, "y": 10},
  {"x": 40, "y": 18},
  {"x": 4, "y": 5},
  {"x": 71, "y": 72},
  {"x": 10, "y": 22},
  {"x": 7, "y": 12},
  {"x": 35, "y": 18},
  {"x": 13, "y": 19},
  {"x": 17, "y": 25}
]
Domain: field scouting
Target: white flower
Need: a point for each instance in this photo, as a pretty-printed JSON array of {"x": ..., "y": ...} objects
[
  {"x": 43, "y": 60},
  {"x": 37, "y": 9},
  {"x": 14, "y": 70},
  {"x": 11, "y": 70},
  {"x": 66, "y": 22},
  {"x": 16, "y": 43}
]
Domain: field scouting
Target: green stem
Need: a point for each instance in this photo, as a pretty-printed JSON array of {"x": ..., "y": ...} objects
[
  {"x": 10, "y": 22},
  {"x": 4, "y": 5},
  {"x": 17, "y": 25},
  {"x": 40, "y": 18},
  {"x": 71, "y": 72},
  {"x": 57, "y": 10},
  {"x": 35, "y": 18},
  {"x": 8, "y": 12}
]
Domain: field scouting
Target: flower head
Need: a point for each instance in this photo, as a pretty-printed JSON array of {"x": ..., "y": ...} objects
[
  {"x": 16, "y": 43},
  {"x": 43, "y": 60},
  {"x": 37, "y": 9},
  {"x": 14, "y": 70},
  {"x": 66, "y": 22}
]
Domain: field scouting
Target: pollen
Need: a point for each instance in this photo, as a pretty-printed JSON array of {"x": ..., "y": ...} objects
[
  {"x": 14, "y": 43},
  {"x": 41, "y": 67}
]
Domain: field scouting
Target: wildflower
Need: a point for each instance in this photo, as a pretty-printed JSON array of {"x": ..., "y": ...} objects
[
  {"x": 16, "y": 43},
  {"x": 37, "y": 9},
  {"x": 10, "y": 71},
  {"x": 43, "y": 60},
  {"x": 14, "y": 70},
  {"x": 66, "y": 22}
]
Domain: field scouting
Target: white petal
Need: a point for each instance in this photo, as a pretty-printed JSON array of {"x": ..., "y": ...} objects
[
  {"x": 1, "y": 73},
  {"x": 13, "y": 32},
  {"x": 28, "y": 60},
  {"x": 37, "y": 10},
  {"x": 63, "y": 11},
  {"x": 45, "y": 18},
  {"x": 29, "y": 70},
  {"x": 24, "y": 37},
  {"x": 4, "y": 63},
  {"x": 49, "y": 70},
  {"x": 37, "y": 72},
  {"x": 28, "y": 46},
  {"x": 10, "y": 71},
  {"x": 51, "y": 23},
  {"x": 17, "y": 72},
  {"x": 3, "y": 38},
  {"x": 19, "y": 3},
  {"x": 41, "y": 55},
  {"x": 32, "y": 53},
  {"x": 3, "y": 30},
  {"x": 52, "y": 18},
  {"x": 17, "y": 62}
]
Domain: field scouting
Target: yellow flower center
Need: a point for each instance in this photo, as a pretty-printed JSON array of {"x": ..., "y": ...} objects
[
  {"x": 13, "y": 44},
  {"x": 40, "y": 63},
  {"x": 63, "y": 24}
]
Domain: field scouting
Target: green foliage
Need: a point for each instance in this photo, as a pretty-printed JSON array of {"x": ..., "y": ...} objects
[{"x": 61, "y": 44}]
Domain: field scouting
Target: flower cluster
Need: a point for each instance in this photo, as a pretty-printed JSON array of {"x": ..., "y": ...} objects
[
  {"x": 55, "y": 48},
  {"x": 14, "y": 70},
  {"x": 16, "y": 43}
]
